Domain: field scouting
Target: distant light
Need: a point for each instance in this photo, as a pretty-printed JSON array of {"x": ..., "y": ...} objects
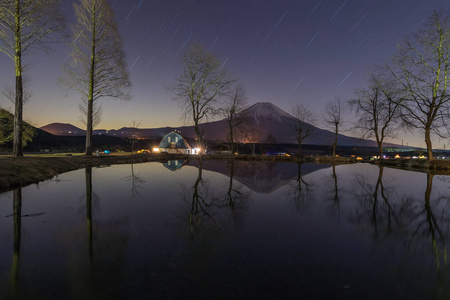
[{"x": 155, "y": 150}]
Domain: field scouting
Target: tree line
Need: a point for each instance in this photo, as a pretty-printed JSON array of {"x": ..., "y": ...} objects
[{"x": 408, "y": 91}]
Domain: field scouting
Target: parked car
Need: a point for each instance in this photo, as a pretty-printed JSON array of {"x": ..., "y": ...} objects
[{"x": 143, "y": 151}]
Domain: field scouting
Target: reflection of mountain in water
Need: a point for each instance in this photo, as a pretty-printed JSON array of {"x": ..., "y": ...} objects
[{"x": 261, "y": 177}]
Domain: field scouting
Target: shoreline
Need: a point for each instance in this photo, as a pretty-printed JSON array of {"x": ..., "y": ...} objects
[
  {"x": 436, "y": 166},
  {"x": 19, "y": 172}
]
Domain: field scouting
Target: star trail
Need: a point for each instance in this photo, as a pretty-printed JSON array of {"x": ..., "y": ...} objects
[{"x": 282, "y": 52}]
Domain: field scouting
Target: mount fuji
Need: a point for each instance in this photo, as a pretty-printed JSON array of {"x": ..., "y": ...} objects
[{"x": 264, "y": 121}]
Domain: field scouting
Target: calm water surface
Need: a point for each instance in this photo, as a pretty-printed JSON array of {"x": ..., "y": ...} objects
[{"x": 227, "y": 231}]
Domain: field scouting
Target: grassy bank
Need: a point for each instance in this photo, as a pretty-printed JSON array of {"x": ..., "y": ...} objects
[
  {"x": 16, "y": 172},
  {"x": 437, "y": 166}
]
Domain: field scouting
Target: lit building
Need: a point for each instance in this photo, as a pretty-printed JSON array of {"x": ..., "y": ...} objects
[{"x": 174, "y": 143}]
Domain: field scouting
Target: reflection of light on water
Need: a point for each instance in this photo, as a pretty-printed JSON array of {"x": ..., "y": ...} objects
[{"x": 261, "y": 240}]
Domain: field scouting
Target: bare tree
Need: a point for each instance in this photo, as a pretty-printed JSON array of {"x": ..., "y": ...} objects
[
  {"x": 333, "y": 117},
  {"x": 303, "y": 124},
  {"x": 377, "y": 112},
  {"x": 96, "y": 68},
  {"x": 198, "y": 89},
  {"x": 26, "y": 24},
  {"x": 233, "y": 111},
  {"x": 421, "y": 68}
]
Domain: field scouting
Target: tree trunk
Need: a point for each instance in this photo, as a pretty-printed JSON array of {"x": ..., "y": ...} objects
[
  {"x": 232, "y": 142},
  {"x": 90, "y": 108},
  {"x": 18, "y": 122},
  {"x": 335, "y": 140},
  {"x": 380, "y": 149},
  {"x": 428, "y": 143},
  {"x": 230, "y": 127},
  {"x": 18, "y": 119},
  {"x": 88, "y": 149}
]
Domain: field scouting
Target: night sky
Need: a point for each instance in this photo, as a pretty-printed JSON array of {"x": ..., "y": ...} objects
[{"x": 282, "y": 51}]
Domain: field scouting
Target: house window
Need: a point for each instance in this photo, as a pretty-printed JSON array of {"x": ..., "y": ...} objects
[
  {"x": 168, "y": 139},
  {"x": 176, "y": 139}
]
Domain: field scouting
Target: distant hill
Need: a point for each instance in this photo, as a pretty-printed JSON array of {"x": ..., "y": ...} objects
[
  {"x": 265, "y": 123},
  {"x": 63, "y": 129},
  {"x": 43, "y": 140}
]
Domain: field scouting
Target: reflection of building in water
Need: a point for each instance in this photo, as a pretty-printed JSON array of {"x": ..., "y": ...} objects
[
  {"x": 174, "y": 165},
  {"x": 174, "y": 143}
]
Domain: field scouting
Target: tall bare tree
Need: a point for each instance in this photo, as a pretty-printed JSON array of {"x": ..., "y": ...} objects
[
  {"x": 96, "y": 67},
  {"x": 26, "y": 24},
  {"x": 377, "y": 111},
  {"x": 233, "y": 111},
  {"x": 422, "y": 69},
  {"x": 333, "y": 118},
  {"x": 201, "y": 85},
  {"x": 303, "y": 125}
]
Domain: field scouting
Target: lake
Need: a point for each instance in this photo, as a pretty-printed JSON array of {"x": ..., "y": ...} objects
[{"x": 227, "y": 230}]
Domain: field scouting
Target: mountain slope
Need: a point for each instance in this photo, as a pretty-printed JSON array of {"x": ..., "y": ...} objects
[
  {"x": 268, "y": 123},
  {"x": 265, "y": 123}
]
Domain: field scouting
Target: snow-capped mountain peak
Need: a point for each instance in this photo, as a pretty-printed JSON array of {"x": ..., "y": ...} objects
[{"x": 266, "y": 110}]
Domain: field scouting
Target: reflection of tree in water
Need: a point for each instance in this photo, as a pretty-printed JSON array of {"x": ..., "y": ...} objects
[
  {"x": 332, "y": 193},
  {"x": 17, "y": 216},
  {"x": 207, "y": 219},
  {"x": 206, "y": 212},
  {"x": 97, "y": 270},
  {"x": 431, "y": 220},
  {"x": 236, "y": 197},
  {"x": 199, "y": 206},
  {"x": 377, "y": 205},
  {"x": 420, "y": 223},
  {"x": 136, "y": 182},
  {"x": 300, "y": 192}
]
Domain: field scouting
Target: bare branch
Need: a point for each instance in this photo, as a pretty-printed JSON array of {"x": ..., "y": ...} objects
[
  {"x": 201, "y": 86},
  {"x": 303, "y": 126}
]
